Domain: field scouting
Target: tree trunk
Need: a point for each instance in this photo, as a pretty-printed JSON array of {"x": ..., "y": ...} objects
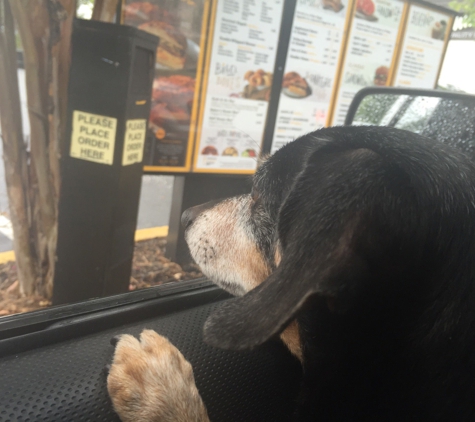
[
  {"x": 33, "y": 24},
  {"x": 14, "y": 153},
  {"x": 61, "y": 24},
  {"x": 45, "y": 30}
]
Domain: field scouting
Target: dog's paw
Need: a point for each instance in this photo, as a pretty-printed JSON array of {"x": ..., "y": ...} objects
[{"x": 150, "y": 380}]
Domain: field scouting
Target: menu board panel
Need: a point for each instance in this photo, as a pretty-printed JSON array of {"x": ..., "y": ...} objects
[
  {"x": 238, "y": 75},
  {"x": 371, "y": 46},
  {"x": 181, "y": 27},
  {"x": 423, "y": 48},
  {"x": 315, "y": 46}
]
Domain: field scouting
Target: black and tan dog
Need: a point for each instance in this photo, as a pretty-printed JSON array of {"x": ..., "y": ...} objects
[{"x": 357, "y": 244}]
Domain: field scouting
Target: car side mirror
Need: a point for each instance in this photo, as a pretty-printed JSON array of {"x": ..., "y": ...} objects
[{"x": 445, "y": 116}]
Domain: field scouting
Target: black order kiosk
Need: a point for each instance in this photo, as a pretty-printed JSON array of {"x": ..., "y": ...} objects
[{"x": 110, "y": 87}]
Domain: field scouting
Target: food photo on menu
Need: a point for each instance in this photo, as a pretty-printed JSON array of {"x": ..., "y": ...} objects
[
  {"x": 209, "y": 150},
  {"x": 365, "y": 10},
  {"x": 439, "y": 29},
  {"x": 371, "y": 74},
  {"x": 230, "y": 152},
  {"x": 179, "y": 41},
  {"x": 295, "y": 86},
  {"x": 172, "y": 48},
  {"x": 309, "y": 85},
  {"x": 172, "y": 100},
  {"x": 251, "y": 153},
  {"x": 333, "y": 5},
  {"x": 381, "y": 76},
  {"x": 256, "y": 86},
  {"x": 229, "y": 143},
  {"x": 178, "y": 26}
]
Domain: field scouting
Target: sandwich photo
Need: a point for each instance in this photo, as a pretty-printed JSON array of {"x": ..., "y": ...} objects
[
  {"x": 381, "y": 76},
  {"x": 334, "y": 5},
  {"x": 365, "y": 10},
  {"x": 230, "y": 152},
  {"x": 171, "y": 51},
  {"x": 295, "y": 86},
  {"x": 258, "y": 86}
]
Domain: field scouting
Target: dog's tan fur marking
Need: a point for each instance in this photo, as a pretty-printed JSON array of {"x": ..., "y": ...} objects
[
  {"x": 237, "y": 261},
  {"x": 277, "y": 257},
  {"x": 224, "y": 250},
  {"x": 291, "y": 338},
  {"x": 151, "y": 381}
]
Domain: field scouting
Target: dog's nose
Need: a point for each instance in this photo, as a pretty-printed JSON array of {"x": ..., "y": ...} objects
[
  {"x": 190, "y": 214},
  {"x": 187, "y": 217}
]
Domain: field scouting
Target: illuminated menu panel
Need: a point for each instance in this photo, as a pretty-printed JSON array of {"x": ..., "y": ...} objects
[
  {"x": 370, "y": 50},
  {"x": 312, "y": 59},
  {"x": 181, "y": 27},
  {"x": 239, "y": 76},
  {"x": 423, "y": 48}
]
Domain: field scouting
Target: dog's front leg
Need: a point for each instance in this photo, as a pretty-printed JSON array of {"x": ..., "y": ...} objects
[{"x": 151, "y": 381}]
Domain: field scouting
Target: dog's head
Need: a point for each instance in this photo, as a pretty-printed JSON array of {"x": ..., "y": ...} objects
[
  {"x": 344, "y": 213},
  {"x": 235, "y": 241}
]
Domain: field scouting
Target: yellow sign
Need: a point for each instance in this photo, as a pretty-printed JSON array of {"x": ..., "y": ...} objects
[
  {"x": 134, "y": 141},
  {"x": 93, "y": 137}
]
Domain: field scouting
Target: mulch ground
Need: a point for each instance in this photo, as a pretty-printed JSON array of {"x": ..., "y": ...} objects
[{"x": 149, "y": 268}]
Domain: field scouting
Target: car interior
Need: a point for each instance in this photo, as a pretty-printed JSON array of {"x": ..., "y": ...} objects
[{"x": 53, "y": 361}]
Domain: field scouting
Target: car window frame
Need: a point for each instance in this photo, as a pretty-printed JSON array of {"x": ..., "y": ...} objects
[
  {"x": 28, "y": 322},
  {"x": 414, "y": 92}
]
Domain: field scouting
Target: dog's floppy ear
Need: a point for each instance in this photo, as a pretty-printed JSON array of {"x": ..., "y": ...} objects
[
  {"x": 319, "y": 224},
  {"x": 248, "y": 321}
]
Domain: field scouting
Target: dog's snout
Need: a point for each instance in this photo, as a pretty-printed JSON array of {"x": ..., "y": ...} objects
[
  {"x": 187, "y": 217},
  {"x": 190, "y": 214}
]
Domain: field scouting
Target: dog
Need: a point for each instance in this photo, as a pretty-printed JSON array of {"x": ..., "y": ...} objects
[{"x": 357, "y": 247}]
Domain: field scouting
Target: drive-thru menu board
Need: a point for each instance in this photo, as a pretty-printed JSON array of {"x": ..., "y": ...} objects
[
  {"x": 181, "y": 27},
  {"x": 314, "y": 49},
  {"x": 371, "y": 46},
  {"x": 423, "y": 48},
  {"x": 238, "y": 78},
  {"x": 215, "y": 66}
]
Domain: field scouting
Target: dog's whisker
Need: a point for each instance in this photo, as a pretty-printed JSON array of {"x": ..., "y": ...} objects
[{"x": 256, "y": 144}]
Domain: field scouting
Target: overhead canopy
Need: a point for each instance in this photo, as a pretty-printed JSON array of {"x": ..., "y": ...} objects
[
  {"x": 463, "y": 34},
  {"x": 439, "y": 4},
  {"x": 442, "y": 3}
]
